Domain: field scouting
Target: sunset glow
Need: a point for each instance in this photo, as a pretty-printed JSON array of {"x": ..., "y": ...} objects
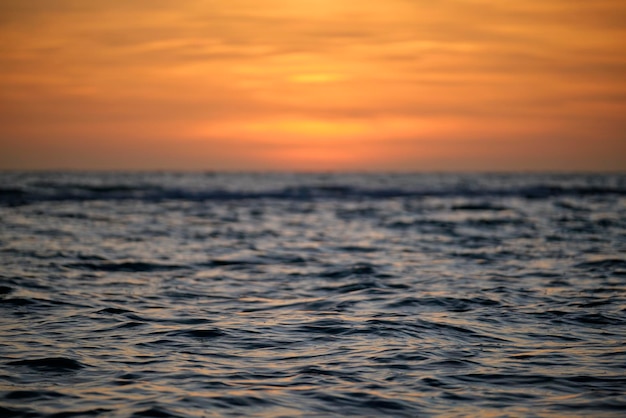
[{"x": 313, "y": 85}]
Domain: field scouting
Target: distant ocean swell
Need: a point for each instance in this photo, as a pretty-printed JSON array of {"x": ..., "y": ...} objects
[{"x": 61, "y": 192}]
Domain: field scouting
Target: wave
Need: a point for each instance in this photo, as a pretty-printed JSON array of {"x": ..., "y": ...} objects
[
  {"x": 53, "y": 364},
  {"x": 125, "y": 266},
  {"x": 59, "y": 191}
]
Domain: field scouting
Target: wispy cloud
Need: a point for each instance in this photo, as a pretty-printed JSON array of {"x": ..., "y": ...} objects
[{"x": 247, "y": 72}]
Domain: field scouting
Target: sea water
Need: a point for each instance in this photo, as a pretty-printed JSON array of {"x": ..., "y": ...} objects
[{"x": 312, "y": 295}]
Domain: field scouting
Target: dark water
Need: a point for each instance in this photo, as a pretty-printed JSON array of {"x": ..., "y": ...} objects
[{"x": 200, "y": 295}]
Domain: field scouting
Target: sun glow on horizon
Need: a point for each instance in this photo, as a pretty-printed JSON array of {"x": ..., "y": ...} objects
[
  {"x": 306, "y": 129},
  {"x": 456, "y": 84}
]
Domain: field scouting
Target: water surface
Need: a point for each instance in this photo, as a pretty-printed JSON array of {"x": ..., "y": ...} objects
[{"x": 200, "y": 295}]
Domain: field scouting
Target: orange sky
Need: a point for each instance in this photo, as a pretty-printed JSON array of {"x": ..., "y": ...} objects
[{"x": 313, "y": 84}]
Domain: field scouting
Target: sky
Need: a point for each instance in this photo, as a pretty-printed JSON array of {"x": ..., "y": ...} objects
[{"x": 313, "y": 85}]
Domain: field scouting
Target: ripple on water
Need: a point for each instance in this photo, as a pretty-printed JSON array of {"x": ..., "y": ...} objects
[{"x": 190, "y": 295}]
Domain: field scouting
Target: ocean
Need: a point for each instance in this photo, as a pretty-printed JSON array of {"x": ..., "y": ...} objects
[{"x": 312, "y": 295}]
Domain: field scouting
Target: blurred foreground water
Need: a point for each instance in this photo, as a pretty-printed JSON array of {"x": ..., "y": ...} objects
[{"x": 208, "y": 294}]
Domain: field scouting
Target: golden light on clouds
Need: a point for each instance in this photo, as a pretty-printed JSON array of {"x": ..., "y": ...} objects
[{"x": 313, "y": 85}]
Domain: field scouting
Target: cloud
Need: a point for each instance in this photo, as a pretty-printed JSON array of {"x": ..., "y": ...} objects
[{"x": 396, "y": 70}]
